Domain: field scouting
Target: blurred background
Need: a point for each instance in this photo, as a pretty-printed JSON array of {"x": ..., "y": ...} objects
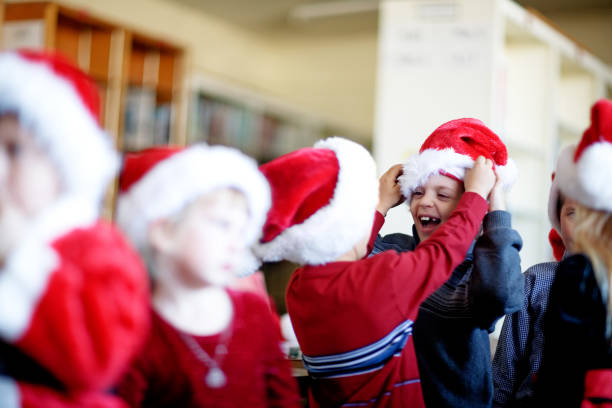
[{"x": 270, "y": 76}]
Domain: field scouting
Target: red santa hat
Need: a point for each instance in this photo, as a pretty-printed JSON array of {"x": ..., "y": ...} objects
[
  {"x": 452, "y": 149},
  {"x": 59, "y": 105},
  {"x": 583, "y": 170},
  {"x": 160, "y": 181},
  {"x": 323, "y": 202}
]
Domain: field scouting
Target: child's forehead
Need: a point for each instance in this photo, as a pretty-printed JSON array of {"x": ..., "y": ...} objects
[
  {"x": 10, "y": 121},
  {"x": 222, "y": 198},
  {"x": 438, "y": 180},
  {"x": 226, "y": 194},
  {"x": 12, "y": 129}
]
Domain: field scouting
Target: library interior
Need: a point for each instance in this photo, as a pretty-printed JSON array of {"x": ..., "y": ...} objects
[{"x": 271, "y": 76}]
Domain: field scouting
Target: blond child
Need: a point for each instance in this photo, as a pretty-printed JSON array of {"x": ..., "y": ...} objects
[{"x": 193, "y": 213}]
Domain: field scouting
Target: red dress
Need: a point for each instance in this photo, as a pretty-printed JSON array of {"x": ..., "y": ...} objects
[{"x": 168, "y": 374}]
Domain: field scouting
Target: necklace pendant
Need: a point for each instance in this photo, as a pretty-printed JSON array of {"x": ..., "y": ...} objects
[{"x": 215, "y": 378}]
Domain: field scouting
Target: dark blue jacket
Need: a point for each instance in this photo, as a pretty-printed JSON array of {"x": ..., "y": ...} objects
[
  {"x": 451, "y": 332},
  {"x": 575, "y": 332}
]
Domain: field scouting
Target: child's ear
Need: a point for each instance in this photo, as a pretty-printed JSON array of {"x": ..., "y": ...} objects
[{"x": 160, "y": 235}]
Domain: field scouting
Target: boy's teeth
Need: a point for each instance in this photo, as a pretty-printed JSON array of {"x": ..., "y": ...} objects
[{"x": 427, "y": 220}]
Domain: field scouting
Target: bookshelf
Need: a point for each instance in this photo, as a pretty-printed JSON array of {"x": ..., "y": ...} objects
[
  {"x": 261, "y": 127},
  {"x": 154, "y": 95},
  {"x": 140, "y": 77}
]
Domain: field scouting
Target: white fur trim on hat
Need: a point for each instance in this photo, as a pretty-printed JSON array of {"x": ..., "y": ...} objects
[
  {"x": 594, "y": 171},
  {"x": 419, "y": 167},
  {"x": 553, "y": 197},
  {"x": 28, "y": 268},
  {"x": 565, "y": 172},
  {"x": 181, "y": 178},
  {"x": 335, "y": 228},
  {"x": 50, "y": 108},
  {"x": 588, "y": 180},
  {"x": 567, "y": 183}
]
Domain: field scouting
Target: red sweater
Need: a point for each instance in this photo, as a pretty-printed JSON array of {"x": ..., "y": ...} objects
[
  {"x": 74, "y": 301},
  {"x": 353, "y": 320},
  {"x": 168, "y": 374}
]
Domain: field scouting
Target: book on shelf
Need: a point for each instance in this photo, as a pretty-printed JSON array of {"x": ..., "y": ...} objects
[
  {"x": 161, "y": 125},
  {"x": 139, "y": 129},
  {"x": 257, "y": 132}
]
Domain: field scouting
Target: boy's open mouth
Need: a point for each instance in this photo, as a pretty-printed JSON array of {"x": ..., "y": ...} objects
[{"x": 425, "y": 221}]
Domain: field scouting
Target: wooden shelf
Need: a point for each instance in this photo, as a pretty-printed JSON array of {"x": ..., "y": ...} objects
[{"x": 117, "y": 58}]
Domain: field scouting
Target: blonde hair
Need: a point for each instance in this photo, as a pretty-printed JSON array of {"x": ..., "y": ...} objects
[{"x": 593, "y": 237}]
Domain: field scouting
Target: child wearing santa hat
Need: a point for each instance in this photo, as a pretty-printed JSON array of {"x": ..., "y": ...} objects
[
  {"x": 193, "y": 213},
  {"x": 73, "y": 294},
  {"x": 353, "y": 316},
  {"x": 521, "y": 341},
  {"x": 451, "y": 332},
  {"x": 576, "y": 368}
]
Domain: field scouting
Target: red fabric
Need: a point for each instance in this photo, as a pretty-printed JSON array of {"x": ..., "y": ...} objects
[
  {"x": 93, "y": 315},
  {"x": 343, "y": 306},
  {"x": 600, "y": 129},
  {"x": 292, "y": 203},
  {"x": 85, "y": 87},
  {"x": 556, "y": 242},
  {"x": 36, "y": 396},
  {"x": 137, "y": 164},
  {"x": 468, "y": 137},
  {"x": 379, "y": 220},
  {"x": 168, "y": 374},
  {"x": 598, "y": 389}
]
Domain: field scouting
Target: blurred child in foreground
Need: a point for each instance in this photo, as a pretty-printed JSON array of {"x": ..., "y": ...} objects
[{"x": 73, "y": 293}]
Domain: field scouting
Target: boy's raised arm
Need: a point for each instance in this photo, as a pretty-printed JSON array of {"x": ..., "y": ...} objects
[{"x": 389, "y": 192}]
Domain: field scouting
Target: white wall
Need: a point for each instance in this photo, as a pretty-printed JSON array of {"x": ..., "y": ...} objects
[{"x": 435, "y": 64}]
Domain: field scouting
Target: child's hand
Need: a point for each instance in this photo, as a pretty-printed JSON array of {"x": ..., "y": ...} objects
[
  {"x": 480, "y": 179},
  {"x": 389, "y": 194},
  {"x": 497, "y": 200}
]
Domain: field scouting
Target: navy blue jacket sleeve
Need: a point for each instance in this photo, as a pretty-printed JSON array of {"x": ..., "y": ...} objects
[
  {"x": 575, "y": 327},
  {"x": 497, "y": 282}
]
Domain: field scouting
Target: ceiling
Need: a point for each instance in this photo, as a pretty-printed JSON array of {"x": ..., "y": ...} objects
[{"x": 259, "y": 14}]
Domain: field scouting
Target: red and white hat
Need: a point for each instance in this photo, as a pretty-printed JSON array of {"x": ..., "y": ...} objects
[
  {"x": 323, "y": 202},
  {"x": 553, "y": 196},
  {"x": 160, "y": 181},
  {"x": 452, "y": 149},
  {"x": 583, "y": 171},
  {"x": 59, "y": 105}
]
